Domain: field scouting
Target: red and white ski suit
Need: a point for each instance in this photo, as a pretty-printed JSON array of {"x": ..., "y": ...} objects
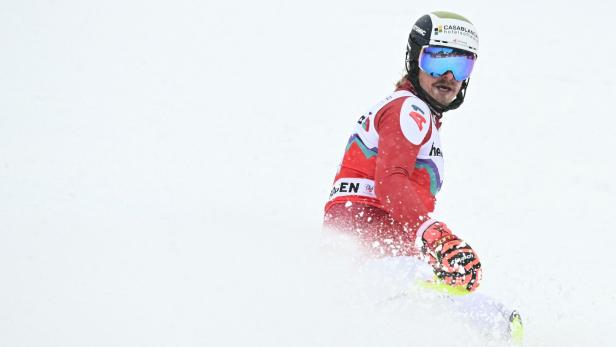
[{"x": 390, "y": 173}]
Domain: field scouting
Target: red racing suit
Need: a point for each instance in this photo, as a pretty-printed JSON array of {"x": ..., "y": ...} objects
[{"x": 389, "y": 176}]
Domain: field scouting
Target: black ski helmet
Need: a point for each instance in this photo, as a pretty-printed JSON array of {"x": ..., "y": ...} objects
[{"x": 439, "y": 28}]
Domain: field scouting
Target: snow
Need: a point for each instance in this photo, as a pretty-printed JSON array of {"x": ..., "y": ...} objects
[{"x": 163, "y": 168}]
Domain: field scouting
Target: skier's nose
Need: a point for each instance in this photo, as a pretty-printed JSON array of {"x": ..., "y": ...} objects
[{"x": 448, "y": 75}]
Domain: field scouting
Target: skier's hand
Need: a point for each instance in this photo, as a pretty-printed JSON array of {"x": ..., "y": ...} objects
[{"x": 453, "y": 260}]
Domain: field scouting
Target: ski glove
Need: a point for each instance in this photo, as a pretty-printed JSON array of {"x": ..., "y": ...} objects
[{"x": 453, "y": 260}]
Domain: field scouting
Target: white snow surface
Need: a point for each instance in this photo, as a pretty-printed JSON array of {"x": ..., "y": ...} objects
[{"x": 164, "y": 165}]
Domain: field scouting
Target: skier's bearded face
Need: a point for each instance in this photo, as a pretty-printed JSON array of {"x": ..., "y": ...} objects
[{"x": 442, "y": 89}]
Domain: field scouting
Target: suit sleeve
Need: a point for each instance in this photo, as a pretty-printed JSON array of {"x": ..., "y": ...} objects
[{"x": 400, "y": 139}]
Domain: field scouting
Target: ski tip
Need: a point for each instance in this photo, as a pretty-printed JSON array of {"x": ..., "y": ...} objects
[
  {"x": 441, "y": 287},
  {"x": 516, "y": 329}
]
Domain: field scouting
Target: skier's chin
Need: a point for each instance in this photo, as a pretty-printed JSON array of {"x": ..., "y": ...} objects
[{"x": 443, "y": 96}]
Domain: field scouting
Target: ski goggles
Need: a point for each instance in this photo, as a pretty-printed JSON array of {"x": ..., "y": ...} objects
[{"x": 437, "y": 61}]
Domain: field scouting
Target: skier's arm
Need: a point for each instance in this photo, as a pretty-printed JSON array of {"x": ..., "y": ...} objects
[{"x": 395, "y": 163}]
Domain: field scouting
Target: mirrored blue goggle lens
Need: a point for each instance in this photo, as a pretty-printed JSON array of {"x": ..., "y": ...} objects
[{"x": 436, "y": 61}]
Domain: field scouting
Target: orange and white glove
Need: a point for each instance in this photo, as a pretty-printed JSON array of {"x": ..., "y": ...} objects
[{"x": 453, "y": 260}]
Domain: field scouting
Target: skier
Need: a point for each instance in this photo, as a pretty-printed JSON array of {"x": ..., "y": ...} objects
[{"x": 392, "y": 169}]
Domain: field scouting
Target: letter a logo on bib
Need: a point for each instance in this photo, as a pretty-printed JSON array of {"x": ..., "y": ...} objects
[
  {"x": 414, "y": 125},
  {"x": 419, "y": 119}
]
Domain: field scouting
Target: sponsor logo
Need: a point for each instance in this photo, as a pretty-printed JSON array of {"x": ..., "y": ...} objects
[
  {"x": 463, "y": 259},
  {"x": 417, "y": 108},
  {"x": 419, "y": 30},
  {"x": 419, "y": 119},
  {"x": 352, "y": 186},
  {"x": 435, "y": 151},
  {"x": 345, "y": 187},
  {"x": 455, "y": 30},
  {"x": 363, "y": 118},
  {"x": 366, "y": 124},
  {"x": 460, "y": 29},
  {"x": 364, "y": 121}
]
